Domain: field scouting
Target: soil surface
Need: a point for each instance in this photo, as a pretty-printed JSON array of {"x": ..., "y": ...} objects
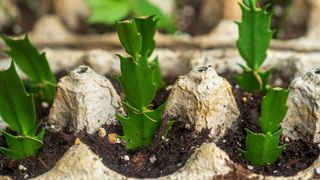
[
  {"x": 297, "y": 156},
  {"x": 164, "y": 157},
  {"x": 55, "y": 145}
]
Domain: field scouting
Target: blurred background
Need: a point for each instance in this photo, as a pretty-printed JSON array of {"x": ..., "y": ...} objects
[{"x": 177, "y": 17}]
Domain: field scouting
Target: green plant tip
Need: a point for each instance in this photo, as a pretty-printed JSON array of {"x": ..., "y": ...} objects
[
  {"x": 253, "y": 42},
  {"x": 42, "y": 81}
]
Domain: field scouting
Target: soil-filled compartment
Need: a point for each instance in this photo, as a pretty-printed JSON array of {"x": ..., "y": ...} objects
[
  {"x": 55, "y": 145},
  {"x": 297, "y": 156},
  {"x": 164, "y": 156}
]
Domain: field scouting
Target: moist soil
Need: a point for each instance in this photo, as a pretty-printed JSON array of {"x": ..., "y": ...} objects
[
  {"x": 297, "y": 156},
  {"x": 55, "y": 145},
  {"x": 166, "y": 155},
  {"x": 163, "y": 157}
]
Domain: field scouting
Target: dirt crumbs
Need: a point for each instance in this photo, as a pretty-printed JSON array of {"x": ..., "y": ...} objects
[
  {"x": 55, "y": 145},
  {"x": 167, "y": 156},
  {"x": 297, "y": 156},
  {"x": 164, "y": 156}
]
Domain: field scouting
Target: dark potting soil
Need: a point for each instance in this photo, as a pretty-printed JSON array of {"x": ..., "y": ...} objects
[
  {"x": 55, "y": 145},
  {"x": 297, "y": 156},
  {"x": 170, "y": 155},
  {"x": 163, "y": 157},
  {"x": 279, "y": 79}
]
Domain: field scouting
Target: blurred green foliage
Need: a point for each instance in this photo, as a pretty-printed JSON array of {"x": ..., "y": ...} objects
[{"x": 110, "y": 11}]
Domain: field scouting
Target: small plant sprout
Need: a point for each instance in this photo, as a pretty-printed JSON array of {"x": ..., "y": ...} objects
[
  {"x": 139, "y": 80},
  {"x": 254, "y": 39},
  {"x": 263, "y": 148},
  {"x": 18, "y": 111},
  {"x": 42, "y": 81}
]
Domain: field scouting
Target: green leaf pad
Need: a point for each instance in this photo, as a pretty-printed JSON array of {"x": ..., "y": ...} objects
[
  {"x": 18, "y": 111},
  {"x": 34, "y": 65}
]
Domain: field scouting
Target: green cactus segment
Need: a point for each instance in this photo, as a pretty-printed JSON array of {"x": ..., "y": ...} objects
[
  {"x": 137, "y": 82},
  {"x": 253, "y": 42},
  {"x": 34, "y": 65},
  {"x": 129, "y": 37},
  {"x": 262, "y": 148},
  {"x": 139, "y": 128},
  {"x": 254, "y": 35},
  {"x": 21, "y": 147},
  {"x": 139, "y": 79},
  {"x": 16, "y": 107},
  {"x": 273, "y": 109},
  {"x": 137, "y": 35},
  {"x": 147, "y": 28},
  {"x": 18, "y": 111}
]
